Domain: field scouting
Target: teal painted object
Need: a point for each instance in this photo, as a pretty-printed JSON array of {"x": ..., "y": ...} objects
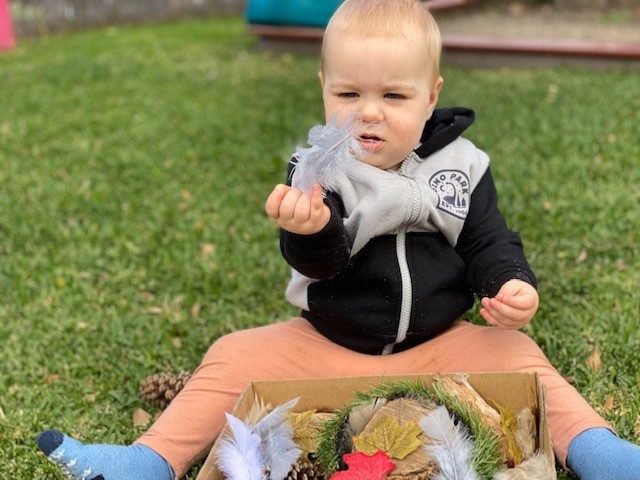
[{"x": 313, "y": 13}]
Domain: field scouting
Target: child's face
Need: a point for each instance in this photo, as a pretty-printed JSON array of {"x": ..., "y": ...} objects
[{"x": 385, "y": 80}]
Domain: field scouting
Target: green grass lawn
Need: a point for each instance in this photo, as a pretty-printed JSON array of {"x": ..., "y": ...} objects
[{"x": 134, "y": 165}]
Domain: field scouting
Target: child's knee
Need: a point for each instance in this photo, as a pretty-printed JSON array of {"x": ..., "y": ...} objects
[
  {"x": 239, "y": 346},
  {"x": 229, "y": 346},
  {"x": 515, "y": 350}
]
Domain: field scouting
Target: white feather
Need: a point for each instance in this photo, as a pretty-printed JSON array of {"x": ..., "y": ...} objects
[
  {"x": 453, "y": 447},
  {"x": 333, "y": 149},
  {"x": 525, "y": 433},
  {"x": 538, "y": 467},
  {"x": 238, "y": 456},
  {"x": 277, "y": 449}
]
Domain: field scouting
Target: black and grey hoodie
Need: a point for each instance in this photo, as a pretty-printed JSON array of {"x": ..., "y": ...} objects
[{"x": 405, "y": 250}]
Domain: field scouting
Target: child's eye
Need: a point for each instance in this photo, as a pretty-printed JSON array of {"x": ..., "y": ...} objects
[
  {"x": 348, "y": 95},
  {"x": 394, "y": 96}
]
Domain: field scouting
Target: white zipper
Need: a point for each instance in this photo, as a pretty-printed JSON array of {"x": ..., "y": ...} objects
[{"x": 405, "y": 274}]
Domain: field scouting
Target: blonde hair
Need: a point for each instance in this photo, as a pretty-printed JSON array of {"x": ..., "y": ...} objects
[{"x": 406, "y": 19}]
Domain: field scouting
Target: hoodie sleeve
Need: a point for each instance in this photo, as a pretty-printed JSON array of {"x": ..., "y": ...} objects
[
  {"x": 493, "y": 253},
  {"x": 324, "y": 254}
]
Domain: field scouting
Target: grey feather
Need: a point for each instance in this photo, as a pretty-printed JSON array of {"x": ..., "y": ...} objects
[
  {"x": 361, "y": 415},
  {"x": 334, "y": 147}
]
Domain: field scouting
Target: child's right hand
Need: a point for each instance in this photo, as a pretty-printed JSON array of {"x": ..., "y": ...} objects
[{"x": 298, "y": 212}]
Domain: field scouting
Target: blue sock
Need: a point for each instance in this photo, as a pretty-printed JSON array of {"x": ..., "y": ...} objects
[
  {"x": 598, "y": 454},
  {"x": 103, "y": 462}
]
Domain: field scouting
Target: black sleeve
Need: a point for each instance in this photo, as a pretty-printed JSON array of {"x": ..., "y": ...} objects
[
  {"x": 321, "y": 255},
  {"x": 492, "y": 252}
]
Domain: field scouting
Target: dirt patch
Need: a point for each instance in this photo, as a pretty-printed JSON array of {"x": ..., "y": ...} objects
[{"x": 519, "y": 20}]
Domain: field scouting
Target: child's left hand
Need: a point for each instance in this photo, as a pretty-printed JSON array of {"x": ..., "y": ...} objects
[{"x": 513, "y": 307}]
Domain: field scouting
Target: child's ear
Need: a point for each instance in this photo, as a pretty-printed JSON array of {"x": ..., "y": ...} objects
[
  {"x": 435, "y": 92},
  {"x": 321, "y": 77}
]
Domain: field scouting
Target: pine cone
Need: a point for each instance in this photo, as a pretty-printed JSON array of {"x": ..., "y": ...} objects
[
  {"x": 305, "y": 470},
  {"x": 161, "y": 388}
]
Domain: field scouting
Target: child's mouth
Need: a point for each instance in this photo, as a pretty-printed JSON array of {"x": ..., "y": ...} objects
[{"x": 370, "y": 142}]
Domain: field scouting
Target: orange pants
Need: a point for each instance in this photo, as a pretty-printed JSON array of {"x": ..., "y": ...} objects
[{"x": 186, "y": 430}]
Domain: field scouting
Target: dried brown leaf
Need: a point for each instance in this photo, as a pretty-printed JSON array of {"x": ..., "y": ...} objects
[
  {"x": 458, "y": 386},
  {"x": 141, "y": 418},
  {"x": 582, "y": 256},
  {"x": 608, "y": 404},
  {"x": 594, "y": 361},
  {"x": 207, "y": 249},
  {"x": 148, "y": 296},
  {"x": 622, "y": 266}
]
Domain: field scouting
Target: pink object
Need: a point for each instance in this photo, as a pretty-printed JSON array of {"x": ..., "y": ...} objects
[{"x": 6, "y": 29}]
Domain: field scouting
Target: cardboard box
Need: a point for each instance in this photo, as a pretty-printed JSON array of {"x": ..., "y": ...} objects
[{"x": 512, "y": 390}]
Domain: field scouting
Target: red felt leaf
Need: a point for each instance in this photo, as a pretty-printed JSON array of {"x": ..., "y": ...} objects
[{"x": 365, "y": 467}]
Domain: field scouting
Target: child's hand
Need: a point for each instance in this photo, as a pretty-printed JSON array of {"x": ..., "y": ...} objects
[
  {"x": 513, "y": 307},
  {"x": 298, "y": 212}
]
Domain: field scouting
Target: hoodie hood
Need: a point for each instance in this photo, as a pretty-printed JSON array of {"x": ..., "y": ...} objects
[{"x": 444, "y": 126}]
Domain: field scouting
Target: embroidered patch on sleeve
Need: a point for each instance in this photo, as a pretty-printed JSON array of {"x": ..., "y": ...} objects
[{"x": 452, "y": 187}]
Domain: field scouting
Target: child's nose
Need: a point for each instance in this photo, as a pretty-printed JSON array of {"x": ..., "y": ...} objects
[{"x": 370, "y": 112}]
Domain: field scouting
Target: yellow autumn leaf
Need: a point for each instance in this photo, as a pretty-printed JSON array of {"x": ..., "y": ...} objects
[
  {"x": 304, "y": 434},
  {"x": 394, "y": 439},
  {"x": 509, "y": 424}
]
